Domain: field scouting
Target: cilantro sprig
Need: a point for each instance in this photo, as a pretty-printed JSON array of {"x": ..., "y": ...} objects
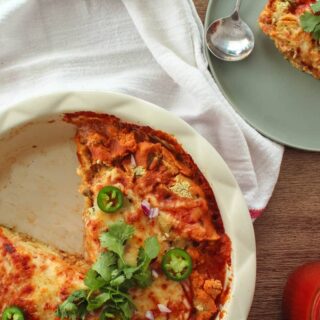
[
  {"x": 310, "y": 21},
  {"x": 110, "y": 277}
]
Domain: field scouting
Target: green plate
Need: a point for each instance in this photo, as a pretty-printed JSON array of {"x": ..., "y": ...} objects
[{"x": 278, "y": 100}]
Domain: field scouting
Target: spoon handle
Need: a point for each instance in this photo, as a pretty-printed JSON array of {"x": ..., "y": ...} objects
[{"x": 237, "y": 6}]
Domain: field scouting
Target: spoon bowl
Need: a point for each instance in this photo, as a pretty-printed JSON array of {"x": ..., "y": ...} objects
[{"x": 230, "y": 38}]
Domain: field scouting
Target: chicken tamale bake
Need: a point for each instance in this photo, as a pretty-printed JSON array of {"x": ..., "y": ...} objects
[
  {"x": 294, "y": 26},
  {"x": 155, "y": 246}
]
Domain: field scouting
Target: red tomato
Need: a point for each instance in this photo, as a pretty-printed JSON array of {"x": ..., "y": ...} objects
[{"x": 301, "y": 297}]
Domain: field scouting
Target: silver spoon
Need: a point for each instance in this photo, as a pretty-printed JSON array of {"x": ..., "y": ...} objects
[{"x": 230, "y": 38}]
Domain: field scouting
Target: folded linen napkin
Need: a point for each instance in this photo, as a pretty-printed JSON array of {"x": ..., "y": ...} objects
[{"x": 149, "y": 49}]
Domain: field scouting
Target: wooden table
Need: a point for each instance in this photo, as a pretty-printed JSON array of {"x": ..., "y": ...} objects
[{"x": 288, "y": 233}]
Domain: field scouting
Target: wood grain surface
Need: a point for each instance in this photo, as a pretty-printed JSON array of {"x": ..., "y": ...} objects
[{"x": 288, "y": 233}]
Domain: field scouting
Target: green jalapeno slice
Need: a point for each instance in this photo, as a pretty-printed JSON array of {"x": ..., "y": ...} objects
[
  {"x": 110, "y": 199},
  {"x": 12, "y": 313},
  {"x": 177, "y": 264}
]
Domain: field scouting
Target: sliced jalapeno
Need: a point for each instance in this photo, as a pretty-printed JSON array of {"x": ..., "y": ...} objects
[
  {"x": 110, "y": 199},
  {"x": 12, "y": 313},
  {"x": 177, "y": 264}
]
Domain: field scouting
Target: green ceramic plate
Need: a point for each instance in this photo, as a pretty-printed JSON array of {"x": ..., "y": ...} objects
[{"x": 275, "y": 98}]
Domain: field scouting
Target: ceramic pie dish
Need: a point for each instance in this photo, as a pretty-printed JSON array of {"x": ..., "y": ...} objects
[{"x": 39, "y": 186}]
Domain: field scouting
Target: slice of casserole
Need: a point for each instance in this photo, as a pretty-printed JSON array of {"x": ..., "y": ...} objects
[
  {"x": 287, "y": 23},
  {"x": 164, "y": 195},
  {"x": 34, "y": 277}
]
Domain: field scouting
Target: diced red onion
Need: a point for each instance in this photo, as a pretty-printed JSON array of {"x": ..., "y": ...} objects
[
  {"x": 155, "y": 273},
  {"x": 154, "y": 212},
  {"x": 149, "y": 315},
  {"x": 151, "y": 213},
  {"x": 133, "y": 161},
  {"x": 163, "y": 308},
  {"x": 145, "y": 205}
]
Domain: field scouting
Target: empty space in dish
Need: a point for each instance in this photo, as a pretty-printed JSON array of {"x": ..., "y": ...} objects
[{"x": 39, "y": 185}]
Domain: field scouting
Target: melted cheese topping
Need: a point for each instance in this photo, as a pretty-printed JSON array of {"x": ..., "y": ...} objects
[
  {"x": 280, "y": 20},
  {"x": 165, "y": 292},
  {"x": 35, "y": 277},
  {"x": 165, "y": 176}
]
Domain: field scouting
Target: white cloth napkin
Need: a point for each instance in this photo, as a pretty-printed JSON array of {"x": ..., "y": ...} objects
[{"x": 151, "y": 49}]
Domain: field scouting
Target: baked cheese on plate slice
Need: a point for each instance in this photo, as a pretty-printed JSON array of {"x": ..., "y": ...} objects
[{"x": 294, "y": 26}]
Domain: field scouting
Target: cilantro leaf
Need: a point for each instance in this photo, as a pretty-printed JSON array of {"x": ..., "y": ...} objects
[
  {"x": 145, "y": 255},
  {"x": 311, "y": 22},
  {"x": 108, "y": 313},
  {"x": 127, "y": 284},
  {"x": 143, "y": 278},
  {"x": 129, "y": 271},
  {"x": 148, "y": 253},
  {"x": 98, "y": 301},
  {"x": 105, "y": 265},
  {"x": 121, "y": 231},
  {"x": 110, "y": 278},
  {"x": 123, "y": 310},
  {"x": 151, "y": 247},
  {"x": 115, "y": 238},
  {"x": 143, "y": 275},
  {"x": 119, "y": 296},
  {"x": 112, "y": 244},
  {"x": 116, "y": 282},
  {"x": 78, "y": 296},
  {"x": 67, "y": 310},
  {"x": 74, "y": 307},
  {"x": 316, "y": 32},
  {"x": 315, "y": 7},
  {"x": 93, "y": 280},
  {"x": 127, "y": 310}
]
